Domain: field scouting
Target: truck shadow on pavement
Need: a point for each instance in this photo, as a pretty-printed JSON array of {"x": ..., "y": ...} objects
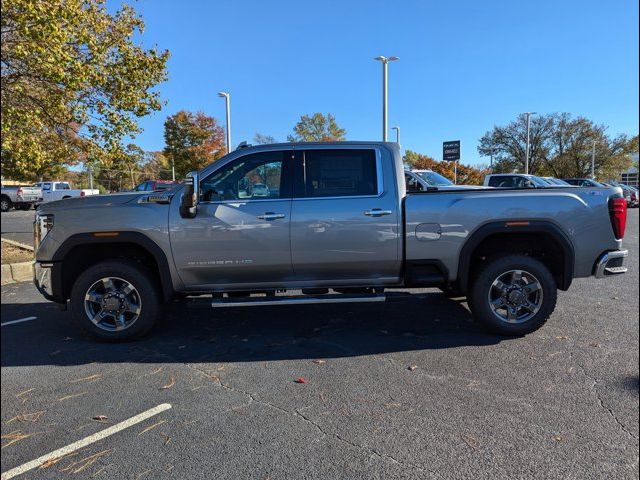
[{"x": 249, "y": 334}]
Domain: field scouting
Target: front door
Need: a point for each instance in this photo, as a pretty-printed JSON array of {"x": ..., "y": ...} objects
[
  {"x": 240, "y": 234},
  {"x": 344, "y": 223}
]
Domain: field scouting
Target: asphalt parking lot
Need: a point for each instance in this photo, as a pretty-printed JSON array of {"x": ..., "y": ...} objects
[{"x": 410, "y": 389}]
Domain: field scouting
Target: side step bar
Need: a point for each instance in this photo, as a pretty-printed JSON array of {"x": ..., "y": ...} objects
[{"x": 297, "y": 300}]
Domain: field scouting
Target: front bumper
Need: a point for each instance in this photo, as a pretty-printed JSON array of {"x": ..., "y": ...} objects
[
  {"x": 611, "y": 263},
  {"x": 43, "y": 280}
]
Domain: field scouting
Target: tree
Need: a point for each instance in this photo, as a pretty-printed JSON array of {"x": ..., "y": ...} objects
[
  {"x": 192, "y": 141},
  {"x": 508, "y": 144},
  {"x": 317, "y": 128},
  {"x": 261, "y": 139},
  {"x": 467, "y": 175},
  {"x": 73, "y": 82}
]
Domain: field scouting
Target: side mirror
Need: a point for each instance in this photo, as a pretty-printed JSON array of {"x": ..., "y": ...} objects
[{"x": 189, "y": 200}]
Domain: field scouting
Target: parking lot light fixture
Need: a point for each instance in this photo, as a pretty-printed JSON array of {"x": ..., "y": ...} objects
[
  {"x": 526, "y": 159},
  {"x": 385, "y": 61},
  {"x": 227, "y": 98}
]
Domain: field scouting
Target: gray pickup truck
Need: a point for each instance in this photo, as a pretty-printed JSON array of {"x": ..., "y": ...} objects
[
  {"x": 306, "y": 223},
  {"x": 19, "y": 196}
]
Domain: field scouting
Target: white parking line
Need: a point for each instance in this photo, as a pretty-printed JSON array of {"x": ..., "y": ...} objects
[
  {"x": 20, "y": 320},
  {"x": 14, "y": 472}
]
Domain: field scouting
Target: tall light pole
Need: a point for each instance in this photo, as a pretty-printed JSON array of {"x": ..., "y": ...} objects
[
  {"x": 227, "y": 99},
  {"x": 397, "y": 129},
  {"x": 526, "y": 160},
  {"x": 385, "y": 61},
  {"x": 593, "y": 160}
]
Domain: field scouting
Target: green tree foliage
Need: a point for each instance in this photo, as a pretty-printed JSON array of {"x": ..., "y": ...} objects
[
  {"x": 467, "y": 175},
  {"x": 317, "y": 128},
  {"x": 74, "y": 82},
  {"x": 192, "y": 141},
  {"x": 561, "y": 146}
]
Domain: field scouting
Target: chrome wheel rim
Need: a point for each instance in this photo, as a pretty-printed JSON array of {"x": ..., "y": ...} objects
[
  {"x": 112, "y": 304},
  {"x": 515, "y": 296}
]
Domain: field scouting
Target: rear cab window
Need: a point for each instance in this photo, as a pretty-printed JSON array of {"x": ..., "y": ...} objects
[{"x": 337, "y": 173}]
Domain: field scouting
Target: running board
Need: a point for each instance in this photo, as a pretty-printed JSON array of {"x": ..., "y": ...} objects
[{"x": 298, "y": 300}]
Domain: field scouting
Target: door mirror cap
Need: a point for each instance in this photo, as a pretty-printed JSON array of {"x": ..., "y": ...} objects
[{"x": 189, "y": 200}]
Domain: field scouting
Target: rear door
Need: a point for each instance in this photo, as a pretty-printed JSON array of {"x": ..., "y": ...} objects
[{"x": 344, "y": 219}]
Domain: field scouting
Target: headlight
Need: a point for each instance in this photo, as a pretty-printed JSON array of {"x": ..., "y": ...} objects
[{"x": 43, "y": 225}]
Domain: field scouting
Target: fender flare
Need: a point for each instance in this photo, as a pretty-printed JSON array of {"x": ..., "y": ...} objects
[
  {"x": 517, "y": 226},
  {"x": 136, "y": 238}
]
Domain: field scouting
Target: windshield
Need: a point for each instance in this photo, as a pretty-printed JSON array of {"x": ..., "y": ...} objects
[
  {"x": 556, "y": 181},
  {"x": 434, "y": 179}
]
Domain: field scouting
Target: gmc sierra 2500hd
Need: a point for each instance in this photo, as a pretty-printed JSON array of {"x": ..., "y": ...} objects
[{"x": 318, "y": 217}]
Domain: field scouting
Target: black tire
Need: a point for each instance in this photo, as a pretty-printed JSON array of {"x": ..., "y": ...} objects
[
  {"x": 146, "y": 292},
  {"x": 5, "y": 204},
  {"x": 482, "y": 286}
]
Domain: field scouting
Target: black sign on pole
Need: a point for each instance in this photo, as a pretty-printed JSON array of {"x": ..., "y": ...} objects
[{"x": 451, "y": 150}]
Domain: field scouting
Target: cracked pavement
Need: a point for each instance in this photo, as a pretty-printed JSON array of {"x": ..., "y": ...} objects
[{"x": 559, "y": 403}]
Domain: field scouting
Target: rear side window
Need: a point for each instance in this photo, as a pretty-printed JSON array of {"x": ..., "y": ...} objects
[
  {"x": 339, "y": 173},
  {"x": 502, "y": 181}
]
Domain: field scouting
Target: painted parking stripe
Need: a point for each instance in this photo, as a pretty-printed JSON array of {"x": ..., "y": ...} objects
[
  {"x": 20, "y": 320},
  {"x": 14, "y": 472}
]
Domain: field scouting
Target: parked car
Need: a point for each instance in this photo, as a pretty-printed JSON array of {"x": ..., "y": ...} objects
[
  {"x": 423, "y": 180},
  {"x": 19, "y": 197},
  {"x": 52, "y": 191},
  {"x": 583, "y": 182},
  {"x": 155, "y": 185},
  {"x": 556, "y": 182},
  {"x": 342, "y": 220},
  {"x": 630, "y": 194},
  {"x": 515, "y": 180}
]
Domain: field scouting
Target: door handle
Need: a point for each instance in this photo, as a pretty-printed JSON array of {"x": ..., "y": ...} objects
[
  {"x": 271, "y": 216},
  {"x": 377, "y": 212}
]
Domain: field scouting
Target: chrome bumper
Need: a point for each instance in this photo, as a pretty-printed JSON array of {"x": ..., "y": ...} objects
[{"x": 611, "y": 263}]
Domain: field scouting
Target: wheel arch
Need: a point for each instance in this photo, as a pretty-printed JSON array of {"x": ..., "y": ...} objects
[
  {"x": 79, "y": 251},
  {"x": 524, "y": 235}
]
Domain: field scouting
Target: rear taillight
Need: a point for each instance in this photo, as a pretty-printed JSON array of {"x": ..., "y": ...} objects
[
  {"x": 618, "y": 215},
  {"x": 82, "y": 194}
]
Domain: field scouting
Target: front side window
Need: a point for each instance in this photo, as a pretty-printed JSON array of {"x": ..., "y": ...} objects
[
  {"x": 339, "y": 173},
  {"x": 46, "y": 186},
  {"x": 412, "y": 184},
  {"x": 256, "y": 176}
]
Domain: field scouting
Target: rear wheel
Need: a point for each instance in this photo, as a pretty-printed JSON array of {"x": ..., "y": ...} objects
[
  {"x": 513, "y": 295},
  {"x": 115, "y": 300}
]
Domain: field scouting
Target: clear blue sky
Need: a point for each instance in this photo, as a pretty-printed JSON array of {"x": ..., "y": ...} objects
[{"x": 464, "y": 65}]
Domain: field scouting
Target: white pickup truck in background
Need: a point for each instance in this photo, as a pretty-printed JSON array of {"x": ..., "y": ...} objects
[{"x": 60, "y": 190}]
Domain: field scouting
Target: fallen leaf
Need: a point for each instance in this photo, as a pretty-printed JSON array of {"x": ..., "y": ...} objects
[
  {"x": 594, "y": 344},
  {"x": 167, "y": 439},
  {"x": 561, "y": 337},
  {"x": 151, "y": 427},
  {"x": 301, "y": 380},
  {"x": 171, "y": 383},
  {"x": 319, "y": 362},
  {"x": 557, "y": 438},
  {"x": 67, "y": 397},
  {"x": 471, "y": 441},
  {"x": 412, "y": 367},
  {"x": 100, "y": 418}
]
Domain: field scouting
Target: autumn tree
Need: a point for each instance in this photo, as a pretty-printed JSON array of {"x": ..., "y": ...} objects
[
  {"x": 467, "y": 175},
  {"x": 317, "y": 128},
  {"x": 561, "y": 146},
  {"x": 192, "y": 141},
  {"x": 74, "y": 82}
]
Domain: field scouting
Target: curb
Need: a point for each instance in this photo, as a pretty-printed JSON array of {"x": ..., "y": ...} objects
[{"x": 17, "y": 272}]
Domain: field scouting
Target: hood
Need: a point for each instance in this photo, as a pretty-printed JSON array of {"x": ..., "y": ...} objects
[{"x": 92, "y": 201}]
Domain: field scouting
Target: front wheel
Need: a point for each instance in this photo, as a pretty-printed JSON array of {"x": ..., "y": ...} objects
[
  {"x": 5, "y": 204},
  {"x": 513, "y": 295},
  {"x": 115, "y": 300}
]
